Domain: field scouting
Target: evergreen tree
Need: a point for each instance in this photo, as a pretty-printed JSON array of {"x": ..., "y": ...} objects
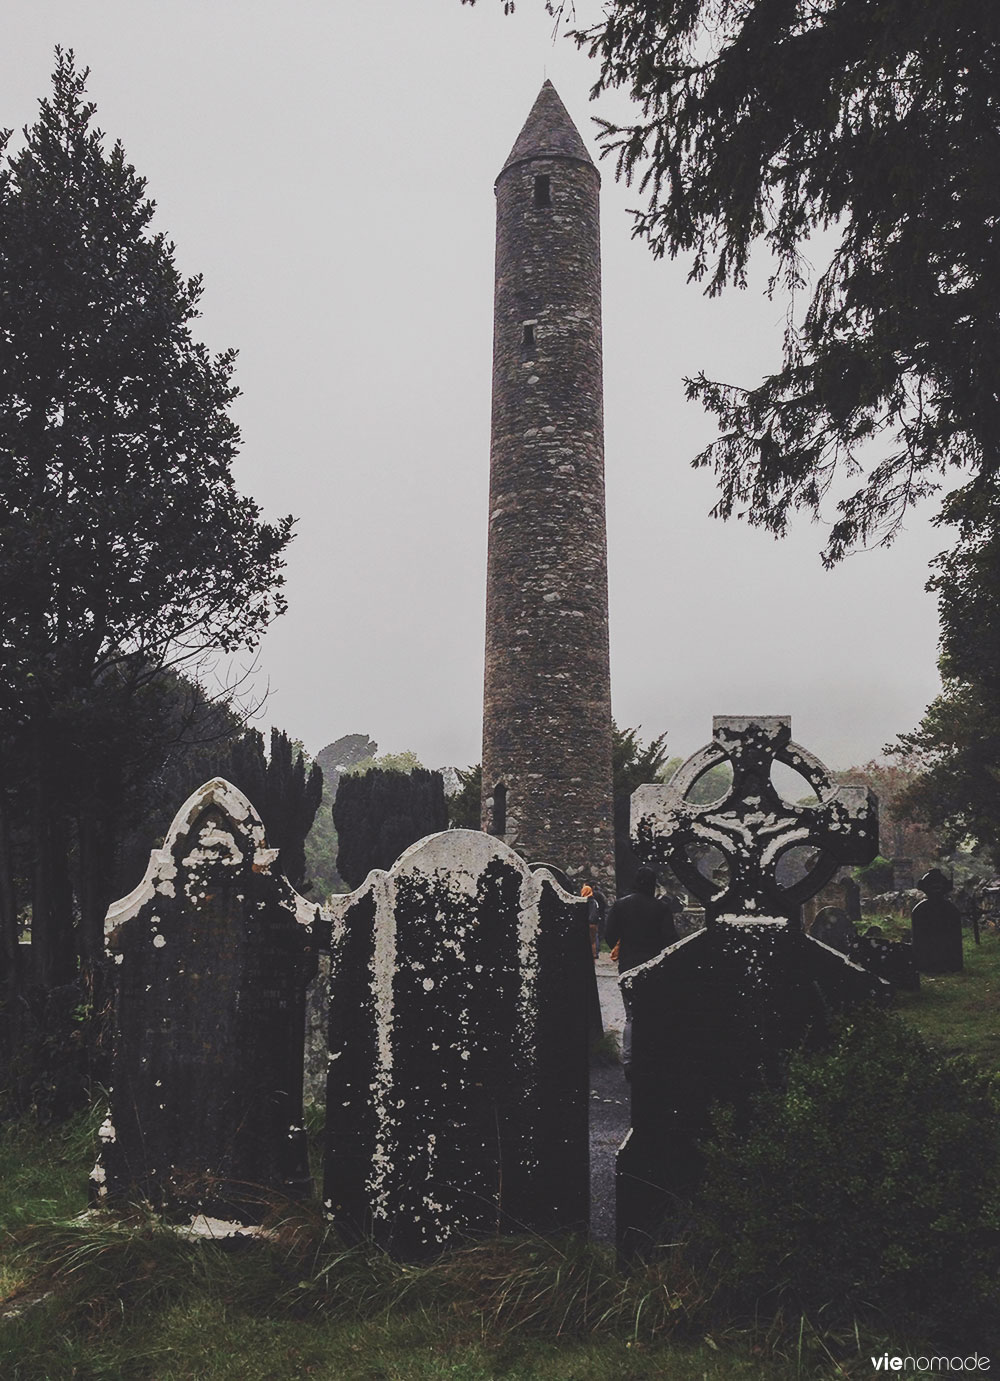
[
  {"x": 379, "y": 813},
  {"x": 124, "y": 545},
  {"x": 285, "y": 796},
  {"x": 465, "y": 806},
  {"x": 632, "y": 765}
]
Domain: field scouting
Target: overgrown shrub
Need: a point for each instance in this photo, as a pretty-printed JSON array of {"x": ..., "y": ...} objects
[
  {"x": 876, "y": 876},
  {"x": 870, "y": 1184}
]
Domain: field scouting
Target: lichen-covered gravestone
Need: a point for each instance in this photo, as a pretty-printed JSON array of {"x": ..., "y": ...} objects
[
  {"x": 212, "y": 953},
  {"x": 457, "y": 1097},
  {"x": 714, "y": 1014},
  {"x": 937, "y": 927}
]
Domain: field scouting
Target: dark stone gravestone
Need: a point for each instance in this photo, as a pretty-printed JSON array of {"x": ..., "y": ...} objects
[
  {"x": 714, "y": 1015},
  {"x": 937, "y": 927},
  {"x": 832, "y": 927},
  {"x": 890, "y": 960},
  {"x": 595, "y": 1020},
  {"x": 212, "y": 954},
  {"x": 852, "y": 899},
  {"x": 457, "y": 1096}
]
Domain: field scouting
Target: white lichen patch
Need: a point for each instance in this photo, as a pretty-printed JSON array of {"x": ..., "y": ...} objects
[
  {"x": 214, "y": 845},
  {"x": 749, "y": 922},
  {"x": 201, "y": 1225},
  {"x": 161, "y": 870},
  {"x": 98, "y": 1174},
  {"x": 106, "y": 1131},
  {"x": 158, "y": 941}
]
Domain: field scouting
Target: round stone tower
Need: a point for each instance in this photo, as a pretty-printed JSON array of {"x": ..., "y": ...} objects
[{"x": 547, "y": 703}]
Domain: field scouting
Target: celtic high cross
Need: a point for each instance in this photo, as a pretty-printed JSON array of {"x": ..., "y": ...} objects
[{"x": 777, "y": 853}]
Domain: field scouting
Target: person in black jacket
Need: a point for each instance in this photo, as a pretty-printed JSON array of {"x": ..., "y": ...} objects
[{"x": 641, "y": 925}]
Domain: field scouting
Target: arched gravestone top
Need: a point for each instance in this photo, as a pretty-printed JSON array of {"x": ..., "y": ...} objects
[
  {"x": 752, "y": 825},
  {"x": 212, "y": 952},
  {"x": 221, "y": 799},
  {"x": 937, "y": 927},
  {"x": 832, "y": 926},
  {"x": 457, "y": 1096}
]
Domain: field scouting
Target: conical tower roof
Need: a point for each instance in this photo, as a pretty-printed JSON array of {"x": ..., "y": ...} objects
[{"x": 548, "y": 133}]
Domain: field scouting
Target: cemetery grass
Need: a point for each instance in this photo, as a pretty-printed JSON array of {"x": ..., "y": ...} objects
[
  {"x": 960, "y": 1012},
  {"x": 100, "y": 1298},
  {"x": 82, "y": 1299}
]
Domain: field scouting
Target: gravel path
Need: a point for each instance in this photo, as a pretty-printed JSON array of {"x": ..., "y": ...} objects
[{"x": 609, "y": 1111}]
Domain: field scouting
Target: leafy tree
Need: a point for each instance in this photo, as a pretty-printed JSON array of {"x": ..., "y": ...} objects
[
  {"x": 465, "y": 806},
  {"x": 380, "y": 812},
  {"x": 633, "y": 763},
  {"x": 956, "y": 753},
  {"x": 900, "y": 835},
  {"x": 124, "y": 546}
]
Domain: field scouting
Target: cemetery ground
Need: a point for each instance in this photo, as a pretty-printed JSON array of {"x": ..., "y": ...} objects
[{"x": 105, "y": 1297}]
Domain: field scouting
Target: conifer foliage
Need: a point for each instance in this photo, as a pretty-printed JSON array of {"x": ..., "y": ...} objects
[
  {"x": 285, "y": 795},
  {"x": 124, "y": 544},
  {"x": 379, "y": 813},
  {"x": 761, "y": 122}
]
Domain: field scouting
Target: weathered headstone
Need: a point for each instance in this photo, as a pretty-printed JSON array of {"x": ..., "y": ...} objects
[
  {"x": 937, "y": 927},
  {"x": 714, "y": 1015},
  {"x": 833, "y": 928},
  {"x": 212, "y": 954},
  {"x": 852, "y": 899},
  {"x": 457, "y": 1096},
  {"x": 890, "y": 960}
]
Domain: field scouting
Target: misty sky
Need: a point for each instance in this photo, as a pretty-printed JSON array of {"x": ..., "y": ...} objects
[{"x": 328, "y": 165}]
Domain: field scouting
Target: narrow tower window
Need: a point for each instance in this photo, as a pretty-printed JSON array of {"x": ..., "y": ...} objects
[
  {"x": 529, "y": 338},
  {"x": 543, "y": 190},
  {"x": 499, "y": 810}
]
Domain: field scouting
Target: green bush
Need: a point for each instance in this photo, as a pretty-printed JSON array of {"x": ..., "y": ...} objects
[
  {"x": 869, "y": 1186},
  {"x": 876, "y": 877}
]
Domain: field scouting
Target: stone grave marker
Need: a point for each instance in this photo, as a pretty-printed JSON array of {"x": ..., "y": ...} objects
[
  {"x": 852, "y": 899},
  {"x": 714, "y": 1015},
  {"x": 457, "y": 1095},
  {"x": 212, "y": 953},
  {"x": 832, "y": 927},
  {"x": 890, "y": 960},
  {"x": 937, "y": 927}
]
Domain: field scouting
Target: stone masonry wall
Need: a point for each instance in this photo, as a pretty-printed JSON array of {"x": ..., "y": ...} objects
[{"x": 547, "y": 702}]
